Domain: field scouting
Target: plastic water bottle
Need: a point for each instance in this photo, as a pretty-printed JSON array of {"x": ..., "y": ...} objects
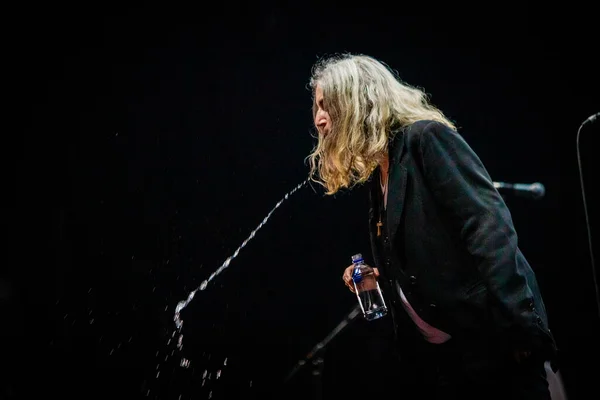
[{"x": 367, "y": 289}]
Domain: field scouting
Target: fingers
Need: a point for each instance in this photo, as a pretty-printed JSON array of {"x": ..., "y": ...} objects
[
  {"x": 349, "y": 285},
  {"x": 347, "y": 278}
]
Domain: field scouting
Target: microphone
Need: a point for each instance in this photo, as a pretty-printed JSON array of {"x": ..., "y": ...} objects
[
  {"x": 591, "y": 118},
  {"x": 532, "y": 190}
]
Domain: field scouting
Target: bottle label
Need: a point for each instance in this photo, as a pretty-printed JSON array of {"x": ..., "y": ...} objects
[{"x": 356, "y": 275}]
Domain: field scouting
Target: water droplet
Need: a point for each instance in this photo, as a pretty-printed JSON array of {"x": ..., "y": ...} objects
[
  {"x": 225, "y": 362},
  {"x": 218, "y": 374},
  {"x": 205, "y": 373},
  {"x": 203, "y": 285},
  {"x": 158, "y": 373},
  {"x": 91, "y": 321}
]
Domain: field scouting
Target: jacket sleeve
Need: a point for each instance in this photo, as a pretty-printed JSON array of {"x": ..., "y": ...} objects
[{"x": 462, "y": 186}]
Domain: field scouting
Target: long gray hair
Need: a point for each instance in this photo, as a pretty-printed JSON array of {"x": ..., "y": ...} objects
[{"x": 366, "y": 101}]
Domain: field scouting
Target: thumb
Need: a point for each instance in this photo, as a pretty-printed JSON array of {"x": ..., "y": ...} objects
[{"x": 376, "y": 271}]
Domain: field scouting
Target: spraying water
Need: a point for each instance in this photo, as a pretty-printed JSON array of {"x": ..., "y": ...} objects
[{"x": 182, "y": 304}]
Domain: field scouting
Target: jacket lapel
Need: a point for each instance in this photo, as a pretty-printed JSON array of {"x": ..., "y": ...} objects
[
  {"x": 396, "y": 193},
  {"x": 373, "y": 211},
  {"x": 396, "y": 186}
]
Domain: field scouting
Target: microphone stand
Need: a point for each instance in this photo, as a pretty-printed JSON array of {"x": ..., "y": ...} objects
[{"x": 314, "y": 357}]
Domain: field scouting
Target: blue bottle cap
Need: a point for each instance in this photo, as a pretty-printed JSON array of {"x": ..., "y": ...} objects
[{"x": 356, "y": 258}]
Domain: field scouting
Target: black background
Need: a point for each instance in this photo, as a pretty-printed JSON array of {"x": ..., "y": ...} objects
[{"x": 142, "y": 145}]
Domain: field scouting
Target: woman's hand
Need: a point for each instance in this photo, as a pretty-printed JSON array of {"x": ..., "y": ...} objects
[{"x": 347, "y": 277}]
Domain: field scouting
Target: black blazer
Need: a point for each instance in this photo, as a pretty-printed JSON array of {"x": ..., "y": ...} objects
[{"x": 454, "y": 247}]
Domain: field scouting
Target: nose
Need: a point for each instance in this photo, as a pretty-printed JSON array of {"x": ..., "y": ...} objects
[{"x": 321, "y": 119}]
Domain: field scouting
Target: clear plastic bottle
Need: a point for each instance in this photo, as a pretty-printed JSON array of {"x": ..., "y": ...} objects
[{"x": 367, "y": 289}]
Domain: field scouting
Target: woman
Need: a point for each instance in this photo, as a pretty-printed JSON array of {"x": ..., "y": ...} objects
[{"x": 467, "y": 309}]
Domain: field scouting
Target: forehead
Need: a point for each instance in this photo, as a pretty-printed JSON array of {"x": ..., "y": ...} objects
[{"x": 318, "y": 92}]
